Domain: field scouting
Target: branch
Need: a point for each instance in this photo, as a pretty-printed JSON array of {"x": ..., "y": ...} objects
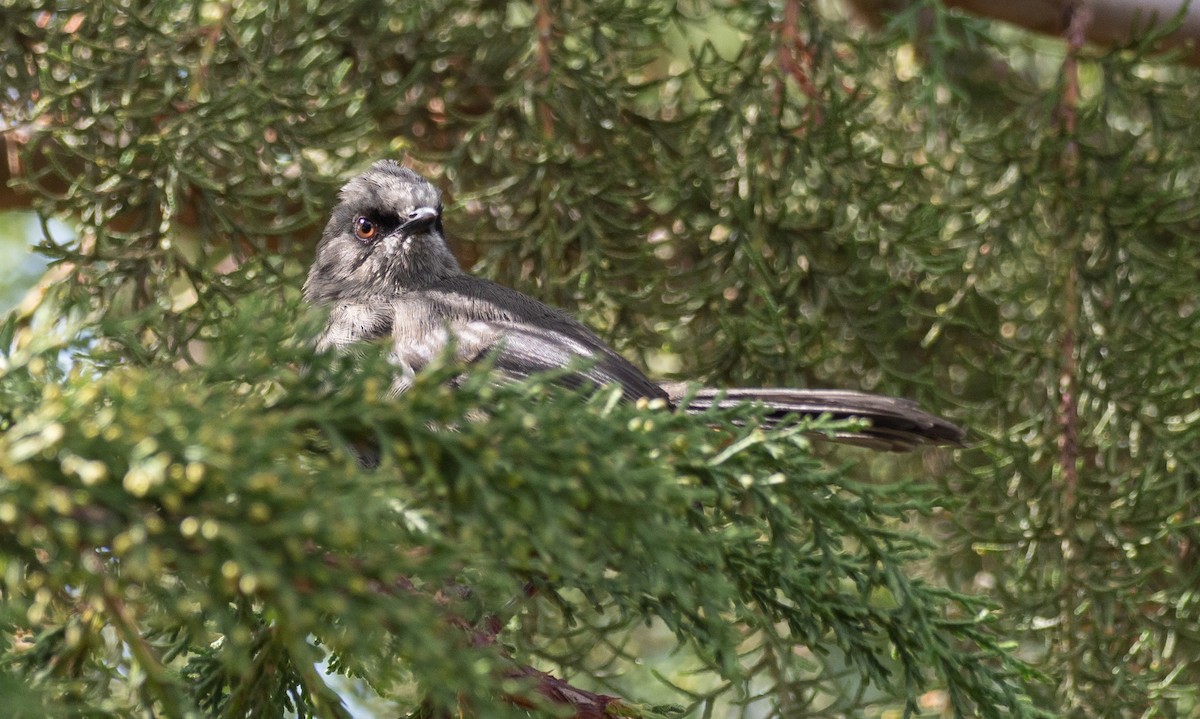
[
  {"x": 795, "y": 59},
  {"x": 581, "y": 703},
  {"x": 1068, "y": 382},
  {"x": 545, "y": 31},
  {"x": 1114, "y": 22},
  {"x": 159, "y": 679}
]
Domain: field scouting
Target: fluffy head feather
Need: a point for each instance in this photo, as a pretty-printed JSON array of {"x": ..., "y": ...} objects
[{"x": 398, "y": 257}]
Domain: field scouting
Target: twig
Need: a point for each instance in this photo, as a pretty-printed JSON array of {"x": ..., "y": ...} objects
[
  {"x": 795, "y": 60},
  {"x": 544, "y": 23},
  {"x": 158, "y": 678},
  {"x": 1078, "y": 16},
  {"x": 1076, "y": 21}
]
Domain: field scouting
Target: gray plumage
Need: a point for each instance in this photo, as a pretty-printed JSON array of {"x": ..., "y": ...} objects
[{"x": 383, "y": 268}]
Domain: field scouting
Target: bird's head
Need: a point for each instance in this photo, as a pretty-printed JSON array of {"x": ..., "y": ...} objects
[{"x": 383, "y": 238}]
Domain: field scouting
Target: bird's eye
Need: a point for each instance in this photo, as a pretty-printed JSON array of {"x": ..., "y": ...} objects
[{"x": 364, "y": 229}]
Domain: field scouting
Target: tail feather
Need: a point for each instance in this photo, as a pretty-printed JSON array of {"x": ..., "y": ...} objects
[{"x": 897, "y": 425}]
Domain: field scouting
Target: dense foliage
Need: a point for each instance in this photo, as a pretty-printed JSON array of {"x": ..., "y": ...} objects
[{"x": 754, "y": 193}]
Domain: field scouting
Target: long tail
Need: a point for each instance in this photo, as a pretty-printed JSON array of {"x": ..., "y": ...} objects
[{"x": 897, "y": 425}]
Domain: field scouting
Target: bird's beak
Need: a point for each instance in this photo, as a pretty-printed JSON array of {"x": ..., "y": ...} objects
[{"x": 419, "y": 219}]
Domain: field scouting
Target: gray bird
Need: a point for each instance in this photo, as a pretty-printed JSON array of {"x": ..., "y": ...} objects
[{"x": 384, "y": 270}]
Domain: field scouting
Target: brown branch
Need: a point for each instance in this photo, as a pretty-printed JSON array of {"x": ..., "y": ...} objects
[
  {"x": 158, "y": 677},
  {"x": 582, "y": 703},
  {"x": 795, "y": 60},
  {"x": 544, "y": 22},
  {"x": 1114, "y": 22},
  {"x": 210, "y": 34},
  {"x": 1068, "y": 379},
  {"x": 1068, "y": 382}
]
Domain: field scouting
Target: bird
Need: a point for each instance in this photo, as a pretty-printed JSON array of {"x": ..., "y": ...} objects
[{"x": 384, "y": 271}]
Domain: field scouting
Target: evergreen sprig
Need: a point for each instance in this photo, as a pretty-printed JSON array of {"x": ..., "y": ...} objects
[{"x": 206, "y": 565}]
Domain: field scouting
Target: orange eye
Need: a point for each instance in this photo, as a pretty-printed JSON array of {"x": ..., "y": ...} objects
[{"x": 364, "y": 229}]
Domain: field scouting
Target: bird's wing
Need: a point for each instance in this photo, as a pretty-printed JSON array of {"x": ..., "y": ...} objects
[
  {"x": 518, "y": 334},
  {"x": 521, "y": 350}
]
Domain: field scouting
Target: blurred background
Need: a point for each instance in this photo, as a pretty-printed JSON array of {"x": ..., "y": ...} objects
[{"x": 20, "y": 232}]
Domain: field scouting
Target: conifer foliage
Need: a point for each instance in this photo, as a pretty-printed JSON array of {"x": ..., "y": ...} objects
[{"x": 750, "y": 193}]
